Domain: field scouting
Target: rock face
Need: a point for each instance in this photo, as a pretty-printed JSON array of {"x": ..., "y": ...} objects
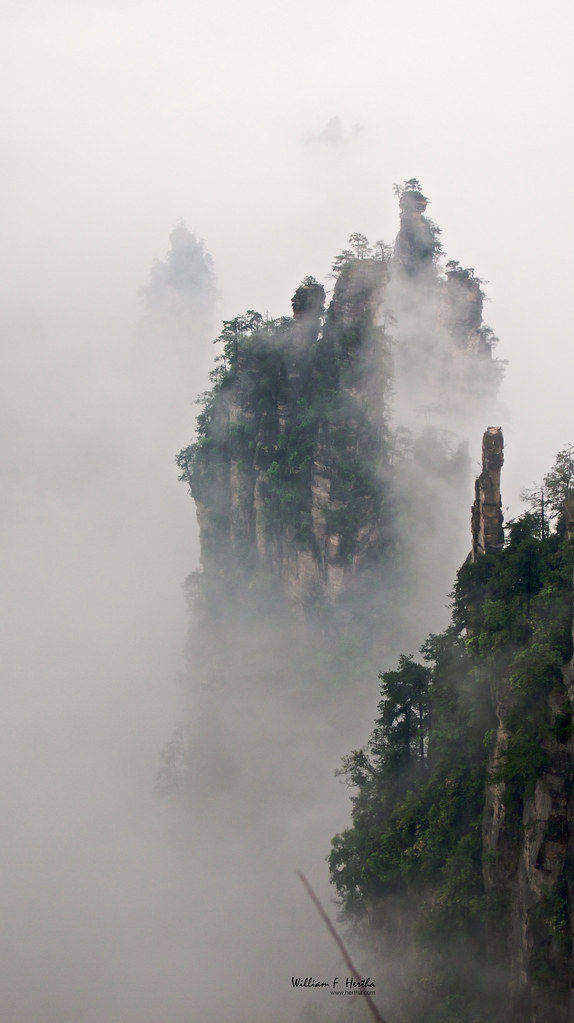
[
  {"x": 293, "y": 472},
  {"x": 289, "y": 477},
  {"x": 529, "y": 885},
  {"x": 463, "y": 304},
  {"x": 416, "y": 242},
  {"x": 486, "y": 521}
]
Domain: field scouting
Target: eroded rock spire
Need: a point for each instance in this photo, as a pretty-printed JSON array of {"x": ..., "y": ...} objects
[{"x": 486, "y": 522}]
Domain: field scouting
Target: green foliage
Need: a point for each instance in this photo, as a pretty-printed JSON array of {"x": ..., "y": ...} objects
[
  {"x": 462, "y": 273},
  {"x": 559, "y": 483},
  {"x": 418, "y": 787},
  {"x": 284, "y": 393},
  {"x": 520, "y": 763},
  {"x": 488, "y": 342},
  {"x": 401, "y": 733},
  {"x": 410, "y": 187},
  {"x": 345, "y": 258},
  {"x": 235, "y": 332},
  {"x": 285, "y": 488},
  {"x": 536, "y": 668},
  {"x": 416, "y": 807},
  {"x": 360, "y": 244},
  {"x": 553, "y": 501},
  {"x": 360, "y": 248},
  {"x": 563, "y": 725}
]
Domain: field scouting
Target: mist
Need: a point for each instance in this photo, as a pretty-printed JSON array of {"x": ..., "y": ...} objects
[
  {"x": 120, "y": 120},
  {"x": 93, "y": 624}
]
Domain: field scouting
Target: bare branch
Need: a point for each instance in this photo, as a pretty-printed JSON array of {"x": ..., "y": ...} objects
[{"x": 340, "y": 945}]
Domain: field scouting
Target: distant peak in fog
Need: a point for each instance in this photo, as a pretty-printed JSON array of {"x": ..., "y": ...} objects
[{"x": 187, "y": 265}]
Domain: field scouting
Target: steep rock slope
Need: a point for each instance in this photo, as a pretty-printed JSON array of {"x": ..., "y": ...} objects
[
  {"x": 528, "y": 841},
  {"x": 460, "y": 854},
  {"x": 288, "y": 474},
  {"x": 300, "y": 475},
  {"x": 486, "y": 519}
]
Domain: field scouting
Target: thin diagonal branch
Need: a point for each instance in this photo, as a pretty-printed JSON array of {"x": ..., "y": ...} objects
[{"x": 340, "y": 945}]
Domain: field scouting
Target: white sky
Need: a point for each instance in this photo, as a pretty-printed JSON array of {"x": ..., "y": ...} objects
[{"x": 118, "y": 118}]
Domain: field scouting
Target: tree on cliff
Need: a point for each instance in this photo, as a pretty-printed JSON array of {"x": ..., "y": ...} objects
[
  {"x": 360, "y": 245},
  {"x": 559, "y": 483},
  {"x": 412, "y": 186},
  {"x": 401, "y": 734},
  {"x": 554, "y": 500}
]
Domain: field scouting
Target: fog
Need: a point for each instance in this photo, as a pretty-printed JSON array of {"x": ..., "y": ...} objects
[{"x": 274, "y": 132}]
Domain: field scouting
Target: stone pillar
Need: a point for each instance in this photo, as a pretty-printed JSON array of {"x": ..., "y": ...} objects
[{"x": 487, "y": 531}]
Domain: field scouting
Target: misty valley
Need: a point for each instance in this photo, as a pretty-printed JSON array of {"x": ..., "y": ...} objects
[
  {"x": 286, "y": 512},
  {"x": 332, "y": 483},
  {"x": 375, "y": 691}
]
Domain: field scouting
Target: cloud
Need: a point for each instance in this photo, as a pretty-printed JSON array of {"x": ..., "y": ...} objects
[{"x": 334, "y": 135}]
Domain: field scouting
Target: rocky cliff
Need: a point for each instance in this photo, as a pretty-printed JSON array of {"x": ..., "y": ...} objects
[
  {"x": 460, "y": 853},
  {"x": 528, "y": 822},
  {"x": 294, "y": 472},
  {"x": 290, "y": 475},
  {"x": 528, "y": 848},
  {"x": 486, "y": 520}
]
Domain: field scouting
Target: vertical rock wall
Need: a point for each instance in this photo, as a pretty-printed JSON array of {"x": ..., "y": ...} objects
[
  {"x": 528, "y": 851},
  {"x": 486, "y": 522}
]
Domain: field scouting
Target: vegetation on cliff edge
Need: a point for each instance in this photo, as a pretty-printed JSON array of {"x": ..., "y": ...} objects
[{"x": 412, "y": 862}]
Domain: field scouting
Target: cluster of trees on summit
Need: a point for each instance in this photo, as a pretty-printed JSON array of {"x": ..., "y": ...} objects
[
  {"x": 290, "y": 391},
  {"x": 282, "y": 389}
]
